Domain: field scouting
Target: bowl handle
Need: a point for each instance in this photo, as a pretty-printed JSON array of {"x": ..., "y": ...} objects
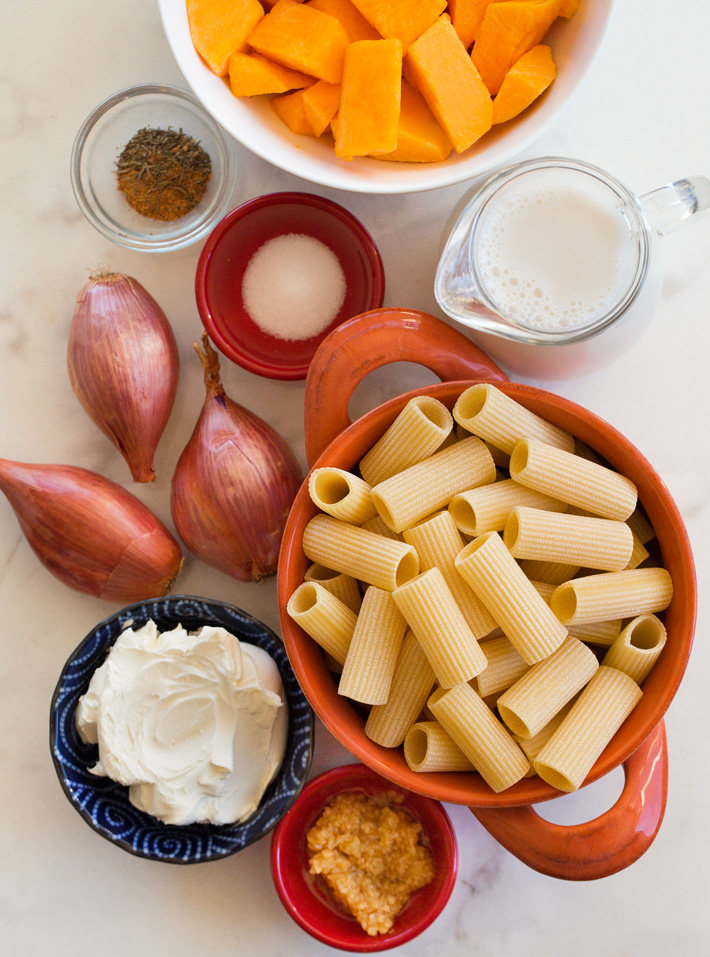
[
  {"x": 598, "y": 848},
  {"x": 375, "y": 339}
]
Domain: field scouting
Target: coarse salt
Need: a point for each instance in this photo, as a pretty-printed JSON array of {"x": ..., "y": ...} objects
[{"x": 293, "y": 286}]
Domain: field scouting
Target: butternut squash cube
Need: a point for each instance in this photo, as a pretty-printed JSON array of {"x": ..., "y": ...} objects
[
  {"x": 420, "y": 139},
  {"x": 466, "y": 16},
  {"x": 508, "y": 30},
  {"x": 368, "y": 116},
  {"x": 320, "y": 104},
  {"x": 251, "y": 74},
  {"x": 289, "y": 108},
  {"x": 218, "y": 28},
  {"x": 524, "y": 82},
  {"x": 403, "y": 20},
  {"x": 450, "y": 84},
  {"x": 302, "y": 38},
  {"x": 356, "y": 26}
]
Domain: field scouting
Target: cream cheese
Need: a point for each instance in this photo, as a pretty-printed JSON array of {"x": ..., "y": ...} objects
[{"x": 194, "y": 724}]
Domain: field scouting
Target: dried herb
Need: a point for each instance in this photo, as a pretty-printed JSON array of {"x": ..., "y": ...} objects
[{"x": 163, "y": 173}]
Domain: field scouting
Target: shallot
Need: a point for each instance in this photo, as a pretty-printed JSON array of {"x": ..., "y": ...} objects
[
  {"x": 233, "y": 485},
  {"x": 123, "y": 366},
  {"x": 90, "y": 532}
]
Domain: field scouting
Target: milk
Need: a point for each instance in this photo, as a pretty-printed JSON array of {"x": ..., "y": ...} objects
[{"x": 555, "y": 252}]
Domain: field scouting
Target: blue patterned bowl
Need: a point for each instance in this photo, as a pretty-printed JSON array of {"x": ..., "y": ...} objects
[{"x": 104, "y": 805}]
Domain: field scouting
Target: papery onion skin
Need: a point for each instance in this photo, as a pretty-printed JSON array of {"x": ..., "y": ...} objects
[
  {"x": 90, "y": 532},
  {"x": 233, "y": 485},
  {"x": 124, "y": 366}
]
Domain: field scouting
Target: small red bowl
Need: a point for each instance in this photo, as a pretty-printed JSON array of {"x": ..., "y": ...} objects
[
  {"x": 310, "y": 907},
  {"x": 228, "y": 250}
]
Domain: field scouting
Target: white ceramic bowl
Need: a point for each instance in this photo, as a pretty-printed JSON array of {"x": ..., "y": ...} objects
[{"x": 575, "y": 43}]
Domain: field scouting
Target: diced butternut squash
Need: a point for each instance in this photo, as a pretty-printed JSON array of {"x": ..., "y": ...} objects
[
  {"x": 320, "y": 104},
  {"x": 289, "y": 108},
  {"x": 356, "y": 26},
  {"x": 403, "y": 20},
  {"x": 251, "y": 74},
  {"x": 368, "y": 116},
  {"x": 219, "y": 28},
  {"x": 420, "y": 139},
  {"x": 450, "y": 84},
  {"x": 302, "y": 38},
  {"x": 524, "y": 82},
  {"x": 466, "y": 16},
  {"x": 508, "y": 30}
]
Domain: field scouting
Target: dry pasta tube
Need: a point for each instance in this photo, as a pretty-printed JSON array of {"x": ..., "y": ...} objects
[
  {"x": 494, "y": 416},
  {"x": 553, "y": 573},
  {"x": 572, "y": 479},
  {"x": 492, "y": 572},
  {"x": 327, "y": 620},
  {"x": 640, "y": 526},
  {"x": 639, "y": 553},
  {"x": 504, "y": 667},
  {"x": 415, "y": 434},
  {"x": 377, "y": 526},
  {"x": 485, "y": 509},
  {"x": 601, "y": 709},
  {"x": 441, "y": 630},
  {"x": 437, "y": 542},
  {"x": 411, "y": 495},
  {"x": 412, "y": 682},
  {"x": 374, "y": 649},
  {"x": 593, "y": 632},
  {"x": 575, "y": 539},
  {"x": 342, "y": 586},
  {"x": 608, "y": 595},
  {"x": 534, "y": 699},
  {"x": 427, "y": 747},
  {"x": 531, "y": 747},
  {"x": 341, "y": 494},
  {"x": 637, "y": 648},
  {"x": 361, "y": 554},
  {"x": 481, "y": 737}
]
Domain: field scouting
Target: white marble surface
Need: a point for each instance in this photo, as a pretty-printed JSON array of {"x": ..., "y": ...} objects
[{"x": 65, "y": 891}]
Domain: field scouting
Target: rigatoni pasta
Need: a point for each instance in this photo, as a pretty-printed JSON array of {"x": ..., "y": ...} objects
[
  {"x": 412, "y": 682},
  {"x": 572, "y": 479},
  {"x": 491, "y": 414},
  {"x": 624, "y": 594},
  {"x": 636, "y": 649},
  {"x": 416, "y": 433},
  {"x": 374, "y": 649},
  {"x": 354, "y": 551},
  {"x": 342, "y": 586},
  {"x": 341, "y": 494},
  {"x": 573, "y": 539},
  {"x": 411, "y": 495},
  {"x": 327, "y": 620},
  {"x": 427, "y": 747},
  {"x": 492, "y": 572},
  {"x": 601, "y": 709},
  {"x": 441, "y": 630},
  {"x": 481, "y": 736},
  {"x": 504, "y": 666},
  {"x": 486, "y": 509}
]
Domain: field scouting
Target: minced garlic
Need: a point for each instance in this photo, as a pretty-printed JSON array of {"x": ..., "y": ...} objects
[{"x": 371, "y": 856}]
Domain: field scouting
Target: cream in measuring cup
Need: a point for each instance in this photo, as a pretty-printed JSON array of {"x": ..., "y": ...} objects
[{"x": 553, "y": 265}]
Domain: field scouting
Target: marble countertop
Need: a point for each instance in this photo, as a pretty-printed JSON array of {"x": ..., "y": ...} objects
[{"x": 65, "y": 891}]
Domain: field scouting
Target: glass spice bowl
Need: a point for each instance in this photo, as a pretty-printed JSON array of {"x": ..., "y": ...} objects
[{"x": 99, "y": 143}]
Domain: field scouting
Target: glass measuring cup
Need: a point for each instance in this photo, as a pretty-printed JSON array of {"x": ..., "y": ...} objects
[{"x": 553, "y": 263}]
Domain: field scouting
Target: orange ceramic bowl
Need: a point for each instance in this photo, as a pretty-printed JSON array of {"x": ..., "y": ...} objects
[{"x": 386, "y": 335}]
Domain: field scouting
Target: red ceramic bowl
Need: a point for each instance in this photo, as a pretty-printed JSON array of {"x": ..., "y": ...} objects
[
  {"x": 312, "y": 907},
  {"x": 226, "y": 254},
  {"x": 389, "y": 335}
]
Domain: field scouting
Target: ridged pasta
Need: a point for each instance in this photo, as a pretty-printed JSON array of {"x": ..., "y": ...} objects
[
  {"x": 624, "y": 594},
  {"x": 341, "y": 494},
  {"x": 486, "y": 509},
  {"x": 327, "y": 620},
  {"x": 412, "y": 682},
  {"x": 374, "y": 649},
  {"x": 427, "y": 747},
  {"x": 637, "y": 647}
]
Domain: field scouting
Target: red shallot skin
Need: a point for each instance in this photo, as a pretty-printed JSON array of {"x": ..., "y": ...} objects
[
  {"x": 90, "y": 533},
  {"x": 233, "y": 485},
  {"x": 124, "y": 366}
]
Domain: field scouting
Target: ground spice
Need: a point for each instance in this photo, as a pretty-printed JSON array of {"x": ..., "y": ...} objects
[{"x": 163, "y": 174}]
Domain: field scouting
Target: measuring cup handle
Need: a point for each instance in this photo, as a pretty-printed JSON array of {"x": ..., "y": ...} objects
[
  {"x": 672, "y": 205},
  {"x": 375, "y": 339},
  {"x": 597, "y": 848}
]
